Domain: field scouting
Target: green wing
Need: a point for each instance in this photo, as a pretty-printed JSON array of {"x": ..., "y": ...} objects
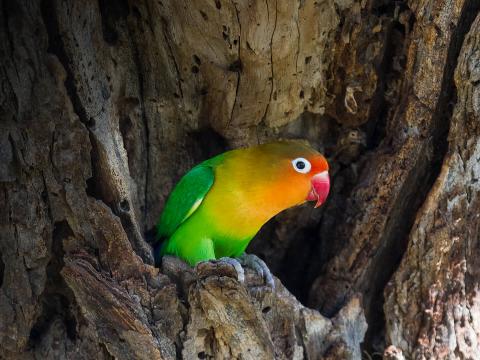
[{"x": 185, "y": 198}]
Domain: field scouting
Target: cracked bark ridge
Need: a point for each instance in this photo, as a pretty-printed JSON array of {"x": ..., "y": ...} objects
[{"x": 432, "y": 302}]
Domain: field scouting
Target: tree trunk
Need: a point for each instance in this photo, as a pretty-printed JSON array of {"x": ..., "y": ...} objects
[{"x": 105, "y": 105}]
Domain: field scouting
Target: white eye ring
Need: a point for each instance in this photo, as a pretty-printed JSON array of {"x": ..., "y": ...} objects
[{"x": 302, "y": 165}]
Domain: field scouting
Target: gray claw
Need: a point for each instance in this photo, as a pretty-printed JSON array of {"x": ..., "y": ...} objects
[
  {"x": 259, "y": 266},
  {"x": 237, "y": 266}
]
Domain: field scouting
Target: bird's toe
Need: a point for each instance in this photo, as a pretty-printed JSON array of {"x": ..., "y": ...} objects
[
  {"x": 236, "y": 265},
  {"x": 258, "y": 265}
]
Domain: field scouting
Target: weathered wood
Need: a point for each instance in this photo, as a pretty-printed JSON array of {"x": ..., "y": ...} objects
[
  {"x": 395, "y": 176},
  {"x": 432, "y": 301},
  {"x": 104, "y": 105}
]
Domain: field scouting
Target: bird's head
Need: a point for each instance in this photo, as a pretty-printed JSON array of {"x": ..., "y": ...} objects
[
  {"x": 308, "y": 169},
  {"x": 293, "y": 171}
]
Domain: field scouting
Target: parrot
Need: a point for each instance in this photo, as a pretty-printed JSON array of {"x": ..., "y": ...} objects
[{"x": 217, "y": 207}]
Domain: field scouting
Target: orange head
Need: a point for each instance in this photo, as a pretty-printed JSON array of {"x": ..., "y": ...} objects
[
  {"x": 281, "y": 174},
  {"x": 304, "y": 168}
]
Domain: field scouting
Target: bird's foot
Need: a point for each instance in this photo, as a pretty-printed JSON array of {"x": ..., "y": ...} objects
[
  {"x": 237, "y": 266},
  {"x": 258, "y": 265},
  {"x": 211, "y": 267},
  {"x": 245, "y": 260}
]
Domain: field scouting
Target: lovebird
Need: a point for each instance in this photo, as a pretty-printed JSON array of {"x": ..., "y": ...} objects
[{"x": 219, "y": 205}]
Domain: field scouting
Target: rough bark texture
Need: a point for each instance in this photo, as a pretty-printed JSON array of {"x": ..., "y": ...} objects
[
  {"x": 432, "y": 308},
  {"x": 104, "y": 105}
]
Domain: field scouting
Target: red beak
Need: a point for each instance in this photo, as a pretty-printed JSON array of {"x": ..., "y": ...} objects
[{"x": 320, "y": 188}]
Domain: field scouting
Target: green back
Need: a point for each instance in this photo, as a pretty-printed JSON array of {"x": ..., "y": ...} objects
[{"x": 185, "y": 198}]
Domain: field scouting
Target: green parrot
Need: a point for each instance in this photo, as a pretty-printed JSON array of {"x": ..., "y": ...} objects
[{"x": 219, "y": 205}]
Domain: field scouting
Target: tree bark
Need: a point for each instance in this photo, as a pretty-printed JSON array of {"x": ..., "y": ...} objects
[
  {"x": 105, "y": 105},
  {"x": 432, "y": 301}
]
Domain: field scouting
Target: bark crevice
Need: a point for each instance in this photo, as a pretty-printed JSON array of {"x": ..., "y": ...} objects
[
  {"x": 141, "y": 84},
  {"x": 272, "y": 75},
  {"x": 56, "y": 47}
]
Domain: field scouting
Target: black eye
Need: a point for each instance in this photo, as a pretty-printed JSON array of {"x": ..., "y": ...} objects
[{"x": 301, "y": 165}]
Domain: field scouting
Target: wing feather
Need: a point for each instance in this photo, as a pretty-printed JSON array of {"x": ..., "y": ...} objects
[{"x": 185, "y": 199}]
